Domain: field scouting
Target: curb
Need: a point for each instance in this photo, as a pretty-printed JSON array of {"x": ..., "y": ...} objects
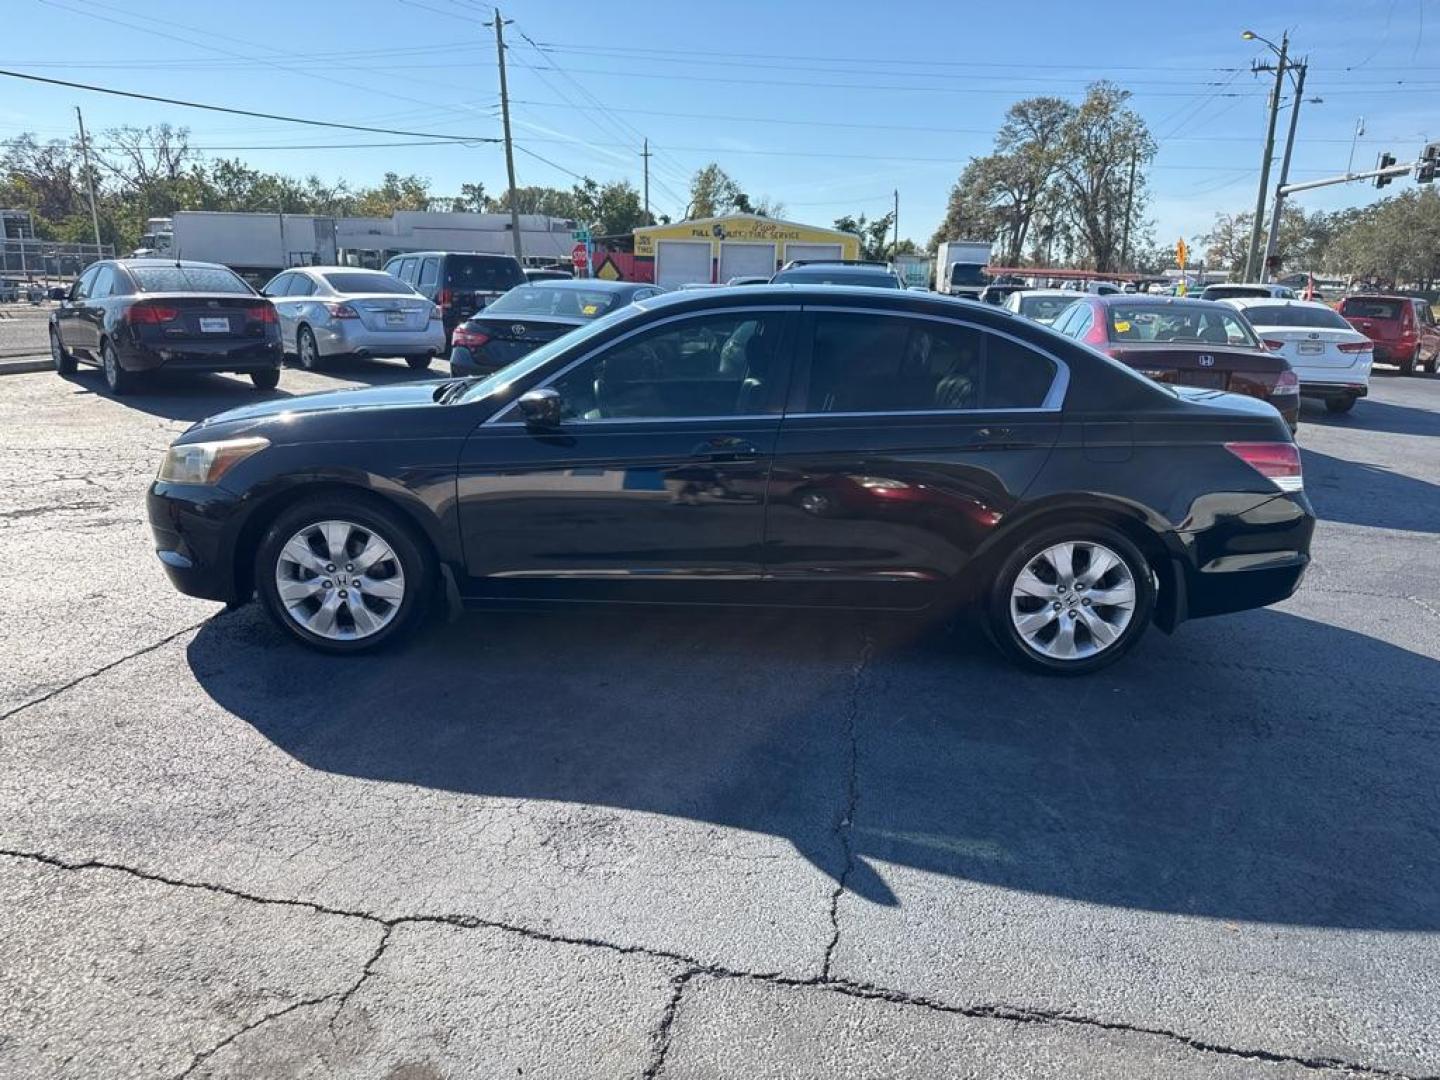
[{"x": 21, "y": 364}]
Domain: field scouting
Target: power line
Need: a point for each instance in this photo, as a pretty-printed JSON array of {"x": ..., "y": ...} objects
[{"x": 242, "y": 112}]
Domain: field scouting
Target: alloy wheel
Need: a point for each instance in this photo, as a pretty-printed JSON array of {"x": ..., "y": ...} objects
[
  {"x": 340, "y": 581},
  {"x": 1073, "y": 600}
]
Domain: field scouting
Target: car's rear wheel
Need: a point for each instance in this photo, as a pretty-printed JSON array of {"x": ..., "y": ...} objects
[
  {"x": 418, "y": 363},
  {"x": 306, "y": 350},
  {"x": 1071, "y": 599},
  {"x": 1407, "y": 366},
  {"x": 1341, "y": 404},
  {"x": 62, "y": 358},
  {"x": 343, "y": 575},
  {"x": 120, "y": 381},
  {"x": 268, "y": 379}
]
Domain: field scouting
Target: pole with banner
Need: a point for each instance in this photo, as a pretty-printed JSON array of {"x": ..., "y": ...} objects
[{"x": 1182, "y": 256}]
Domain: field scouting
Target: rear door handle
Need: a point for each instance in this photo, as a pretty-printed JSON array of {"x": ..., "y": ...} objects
[{"x": 725, "y": 448}]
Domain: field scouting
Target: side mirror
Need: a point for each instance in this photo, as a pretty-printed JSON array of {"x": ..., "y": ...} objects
[
  {"x": 58, "y": 292},
  {"x": 540, "y": 408}
]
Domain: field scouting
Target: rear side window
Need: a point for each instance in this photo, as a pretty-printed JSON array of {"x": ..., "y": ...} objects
[
  {"x": 1312, "y": 318},
  {"x": 480, "y": 273},
  {"x": 877, "y": 364},
  {"x": 429, "y": 272},
  {"x": 205, "y": 279},
  {"x": 1370, "y": 309}
]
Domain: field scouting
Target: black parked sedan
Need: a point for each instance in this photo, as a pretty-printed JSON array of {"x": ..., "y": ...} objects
[
  {"x": 528, "y": 316},
  {"x": 133, "y": 316},
  {"x": 804, "y": 446}
]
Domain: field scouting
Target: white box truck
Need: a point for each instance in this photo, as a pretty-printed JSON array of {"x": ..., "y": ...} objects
[
  {"x": 255, "y": 246},
  {"x": 960, "y": 267}
]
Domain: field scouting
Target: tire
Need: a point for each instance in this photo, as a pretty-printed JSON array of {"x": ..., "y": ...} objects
[
  {"x": 291, "y": 551},
  {"x": 60, "y": 356},
  {"x": 306, "y": 351},
  {"x": 1023, "y": 588},
  {"x": 1339, "y": 404},
  {"x": 120, "y": 381},
  {"x": 1408, "y": 365},
  {"x": 268, "y": 379},
  {"x": 418, "y": 363}
]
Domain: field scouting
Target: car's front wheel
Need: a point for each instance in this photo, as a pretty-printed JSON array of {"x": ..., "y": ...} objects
[
  {"x": 1071, "y": 599},
  {"x": 343, "y": 574},
  {"x": 61, "y": 357}
]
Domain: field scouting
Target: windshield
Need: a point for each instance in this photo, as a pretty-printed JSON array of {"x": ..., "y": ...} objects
[
  {"x": 544, "y": 354},
  {"x": 368, "y": 283},
  {"x": 1044, "y": 308},
  {"x": 1291, "y": 315},
  {"x": 1199, "y": 323},
  {"x": 568, "y": 301},
  {"x": 838, "y": 276},
  {"x": 968, "y": 274},
  {"x": 207, "y": 279}
]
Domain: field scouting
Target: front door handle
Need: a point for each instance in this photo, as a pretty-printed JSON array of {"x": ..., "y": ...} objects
[
  {"x": 991, "y": 436},
  {"x": 725, "y": 448}
]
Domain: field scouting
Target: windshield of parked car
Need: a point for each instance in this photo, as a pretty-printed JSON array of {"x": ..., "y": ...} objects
[
  {"x": 1288, "y": 315},
  {"x": 566, "y": 302},
  {"x": 968, "y": 274},
  {"x": 205, "y": 279},
  {"x": 1198, "y": 323},
  {"x": 368, "y": 283},
  {"x": 494, "y": 273},
  {"x": 1370, "y": 309},
  {"x": 533, "y": 361},
  {"x": 839, "y": 275},
  {"x": 1044, "y": 308}
]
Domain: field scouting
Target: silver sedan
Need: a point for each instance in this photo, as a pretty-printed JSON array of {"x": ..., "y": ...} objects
[{"x": 330, "y": 311}]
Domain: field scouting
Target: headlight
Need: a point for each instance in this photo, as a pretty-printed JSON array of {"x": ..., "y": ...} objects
[{"x": 207, "y": 462}]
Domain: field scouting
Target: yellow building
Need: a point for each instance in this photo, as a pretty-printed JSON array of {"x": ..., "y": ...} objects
[{"x": 740, "y": 245}]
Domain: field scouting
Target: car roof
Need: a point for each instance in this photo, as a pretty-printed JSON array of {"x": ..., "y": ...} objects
[
  {"x": 475, "y": 254},
  {"x": 1148, "y": 300},
  {"x": 842, "y": 295},
  {"x": 1377, "y": 296},
  {"x": 1243, "y": 302},
  {"x": 184, "y": 264},
  {"x": 851, "y": 267},
  {"x": 1051, "y": 292},
  {"x": 337, "y": 269}
]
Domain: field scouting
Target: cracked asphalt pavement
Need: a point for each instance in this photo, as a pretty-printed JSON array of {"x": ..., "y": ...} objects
[{"x": 698, "y": 845}]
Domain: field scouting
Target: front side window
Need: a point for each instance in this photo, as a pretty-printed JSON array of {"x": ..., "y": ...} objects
[
  {"x": 104, "y": 283},
  {"x": 885, "y": 363},
  {"x": 279, "y": 285},
  {"x": 405, "y": 271},
  {"x": 713, "y": 365},
  {"x": 301, "y": 286},
  {"x": 81, "y": 288}
]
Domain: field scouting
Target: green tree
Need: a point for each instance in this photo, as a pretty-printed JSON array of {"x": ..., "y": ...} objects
[
  {"x": 611, "y": 209},
  {"x": 552, "y": 202},
  {"x": 874, "y": 235},
  {"x": 712, "y": 193}
]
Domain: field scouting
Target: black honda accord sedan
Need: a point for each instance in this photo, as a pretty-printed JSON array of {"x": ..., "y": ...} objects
[{"x": 785, "y": 445}]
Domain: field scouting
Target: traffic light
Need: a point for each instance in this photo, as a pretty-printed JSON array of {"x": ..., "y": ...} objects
[
  {"x": 1425, "y": 167},
  {"x": 1385, "y": 161}
]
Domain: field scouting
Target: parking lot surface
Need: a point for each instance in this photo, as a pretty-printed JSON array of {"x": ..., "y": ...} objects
[{"x": 708, "y": 844}]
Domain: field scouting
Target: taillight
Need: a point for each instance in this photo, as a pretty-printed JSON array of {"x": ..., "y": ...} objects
[
  {"x": 1356, "y": 346},
  {"x": 342, "y": 311},
  {"x": 443, "y": 298},
  {"x": 261, "y": 313},
  {"x": 435, "y": 312},
  {"x": 469, "y": 337},
  {"x": 1273, "y": 345},
  {"x": 150, "y": 314},
  {"x": 1287, "y": 383},
  {"x": 1278, "y": 461}
]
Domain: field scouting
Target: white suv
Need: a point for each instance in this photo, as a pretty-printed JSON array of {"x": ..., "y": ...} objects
[{"x": 1329, "y": 356}]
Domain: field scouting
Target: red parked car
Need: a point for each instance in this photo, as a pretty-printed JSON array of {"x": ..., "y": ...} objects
[
  {"x": 1185, "y": 343},
  {"x": 1402, "y": 327}
]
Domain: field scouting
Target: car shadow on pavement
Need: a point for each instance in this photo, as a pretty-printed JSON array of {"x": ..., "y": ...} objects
[
  {"x": 376, "y": 372},
  {"x": 1363, "y": 494},
  {"x": 1370, "y": 415},
  {"x": 1233, "y": 771},
  {"x": 178, "y": 397}
]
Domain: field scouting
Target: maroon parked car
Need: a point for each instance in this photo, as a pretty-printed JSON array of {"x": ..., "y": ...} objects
[
  {"x": 1402, "y": 327},
  {"x": 1186, "y": 343}
]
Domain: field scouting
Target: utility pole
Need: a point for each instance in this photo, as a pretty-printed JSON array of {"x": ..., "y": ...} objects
[
  {"x": 90, "y": 180},
  {"x": 895, "y": 247},
  {"x": 1129, "y": 210},
  {"x": 1273, "y": 239},
  {"x": 1252, "y": 253},
  {"x": 645, "y": 157},
  {"x": 509, "y": 147}
]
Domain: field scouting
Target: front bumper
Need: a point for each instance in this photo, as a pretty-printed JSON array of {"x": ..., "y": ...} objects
[
  {"x": 244, "y": 356},
  {"x": 347, "y": 337},
  {"x": 194, "y": 528}
]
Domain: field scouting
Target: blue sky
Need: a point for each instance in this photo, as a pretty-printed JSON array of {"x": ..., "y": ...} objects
[{"x": 825, "y": 106}]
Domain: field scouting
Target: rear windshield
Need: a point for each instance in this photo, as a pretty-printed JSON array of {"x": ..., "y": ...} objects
[
  {"x": 371, "y": 283},
  {"x": 1371, "y": 309},
  {"x": 1288, "y": 315},
  {"x": 1202, "y": 323},
  {"x": 494, "y": 273},
  {"x": 968, "y": 274},
  {"x": 814, "y": 275},
  {"x": 568, "y": 302},
  {"x": 1233, "y": 292},
  {"x": 1044, "y": 308},
  {"x": 206, "y": 279}
]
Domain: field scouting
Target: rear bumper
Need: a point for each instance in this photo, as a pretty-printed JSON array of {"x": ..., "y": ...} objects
[
  {"x": 347, "y": 338},
  {"x": 1247, "y": 560},
  {"x": 1288, "y": 406},
  {"x": 465, "y": 362},
  {"x": 1328, "y": 388},
  {"x": 201, "y": 356}
]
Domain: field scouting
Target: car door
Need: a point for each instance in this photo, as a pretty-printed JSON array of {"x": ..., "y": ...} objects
[
  {"x": 906, "y": 439},
  {"x": 276, "y": 291},
  {"x": 653, "y": 484},
  {"x": 91, "y": 319},
  {"x": 71, "y": 329},
  {"x": 1429, "y": 332}
]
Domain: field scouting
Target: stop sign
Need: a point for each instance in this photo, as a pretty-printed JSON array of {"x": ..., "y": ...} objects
[{"x": 577, "y": 256}]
